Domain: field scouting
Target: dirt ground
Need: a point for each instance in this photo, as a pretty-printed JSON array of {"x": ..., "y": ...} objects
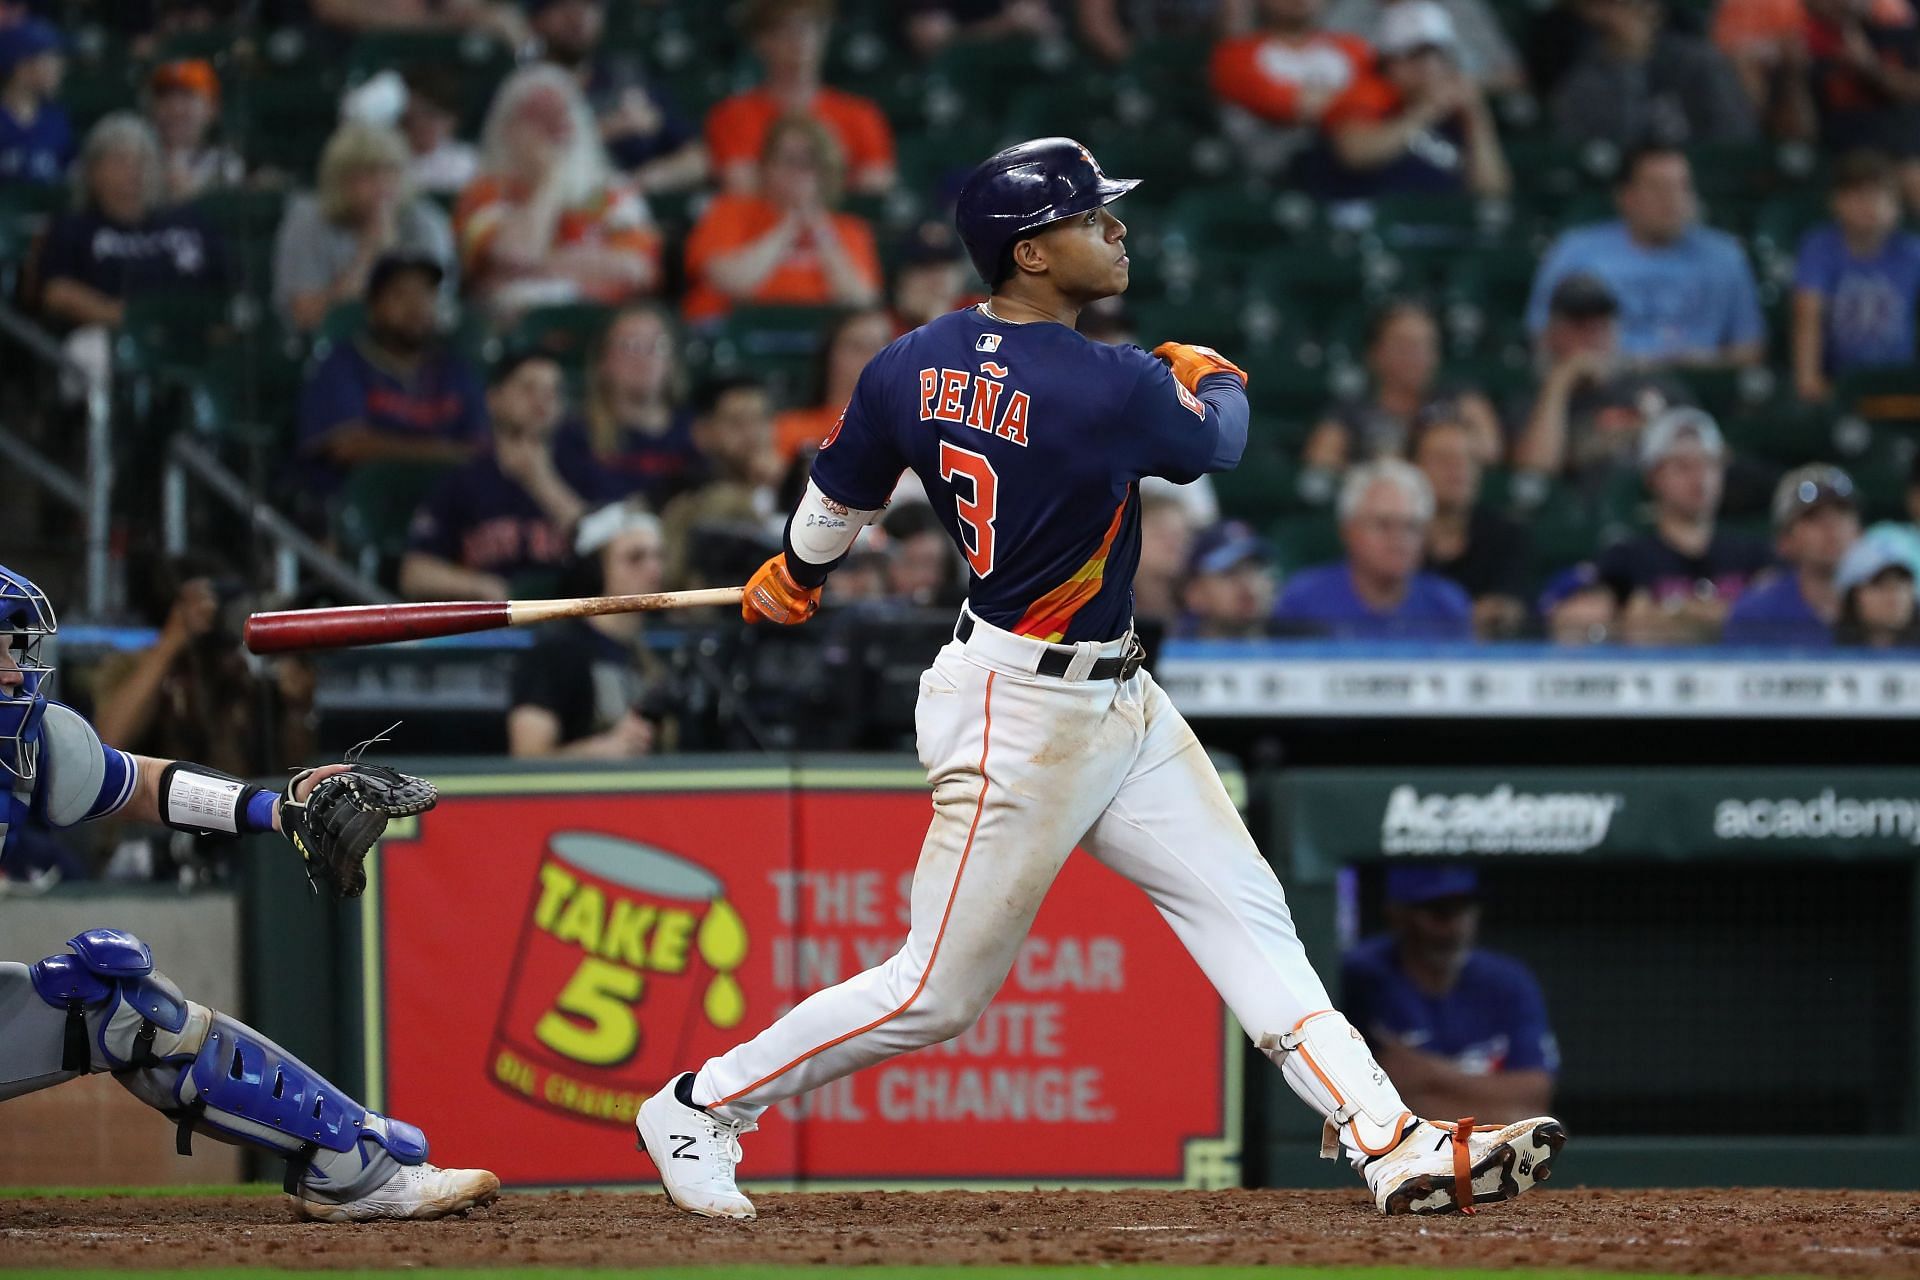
[{"x": 1730, "y": 1232}]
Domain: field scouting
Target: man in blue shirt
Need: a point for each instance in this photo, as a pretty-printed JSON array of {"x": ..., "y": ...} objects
[
  {"x": 1686, "y": 293},
  {"x": 1460, "y": 1030},
  {"x": 1857, "y": 282},
  {"x": 1379, "y": 591},
  {"x": 392, "y": 393},
  {"x": 1815, "y": 520},
  {"x": 36, "y": 139}
]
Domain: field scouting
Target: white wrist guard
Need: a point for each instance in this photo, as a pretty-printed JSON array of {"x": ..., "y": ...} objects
[
  {"x": 822, "y": 530},
  {"x": 196, "y": 798},
  {"x": 1325, "y": 1061}
]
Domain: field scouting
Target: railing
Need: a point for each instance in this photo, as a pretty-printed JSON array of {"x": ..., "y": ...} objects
[
  {"x": 188, "y": 459},
  {"x": 92, "y": 495}
]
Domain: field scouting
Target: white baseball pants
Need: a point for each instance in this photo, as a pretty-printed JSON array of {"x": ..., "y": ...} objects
[{"x": 1024, "y": 768}]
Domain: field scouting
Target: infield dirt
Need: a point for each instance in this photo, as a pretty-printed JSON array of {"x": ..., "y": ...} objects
[{"x": 1731, "y": 1232}]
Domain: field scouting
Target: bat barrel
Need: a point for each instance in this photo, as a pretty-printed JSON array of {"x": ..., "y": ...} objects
[{"x": 298, "y": 629}]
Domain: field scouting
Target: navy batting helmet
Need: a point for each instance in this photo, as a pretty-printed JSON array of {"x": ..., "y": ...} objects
[{"x": 1015, "y": 192}]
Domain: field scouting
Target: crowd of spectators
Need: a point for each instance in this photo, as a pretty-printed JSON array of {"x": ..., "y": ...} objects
[{"x": 586, "y": 183}]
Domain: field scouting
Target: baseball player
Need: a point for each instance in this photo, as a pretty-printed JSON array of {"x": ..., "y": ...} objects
[
  {"x": 103, "y": 1007},
  {"x": 1037, "y": 726}
]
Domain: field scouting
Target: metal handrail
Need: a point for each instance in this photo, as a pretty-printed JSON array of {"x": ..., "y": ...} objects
[
  {"x": 187, "y": 456},
  {"x": 97, "y": 488}
]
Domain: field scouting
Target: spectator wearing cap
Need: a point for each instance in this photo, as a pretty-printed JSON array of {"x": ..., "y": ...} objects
[
  {"x": 1577, "y": 607},
  {"x": 1380, "y": 591},
  {"x": 852, "y": 339},
  {"x": 183, "y": 102},
  {"x": 1419, "y": 126},
  {"x": 1276, "y": 82},
  {"x": 1584, "y": 419},
  {"x": 1459, "y": 1029},
  {"x": 504, "y": 523},
  {"x": 1856, "y": 286},
  {"x": 785, "y": 245},
  {"x": 1686, "y": 293},
  {"x": 1468, "y": 542},
  {"x": 439, "y": 162},
  {"x": 1816, "y": 521},
  {"x": 1675, "y": 583},
  {"x": 1404, "y": 385},
  {"x": 36, "y": 138},
  {"x": 1639, "y": 79},
  {"x": 122, "y": 243},
  {"x": 548, "y": 221},
  {"x": 637, "y": 418},
  {"x": 789, "y": 38},
  {"x": 932, "y": 25},
  {"x": 1230, "y": 587},
  {"x": 1167, "y": 533},
  {"x": 593, "y": 688},
  {"x": 361, "y": 208},
  {"x": 1486, "y": 54},
  {"x": 391, "y": 391},
  {"x": 930, "y": 276},
  {"x": 644, "y": 135},
  {"x": 1876, "y": 597}
]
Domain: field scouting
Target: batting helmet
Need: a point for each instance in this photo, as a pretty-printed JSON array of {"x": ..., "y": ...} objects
[{"x": 1015, "y": 192}]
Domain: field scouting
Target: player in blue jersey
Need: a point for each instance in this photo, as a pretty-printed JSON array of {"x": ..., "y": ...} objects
[
  {"x": 102, "y": 1006},
  {"x": 1038, "y": 728}
]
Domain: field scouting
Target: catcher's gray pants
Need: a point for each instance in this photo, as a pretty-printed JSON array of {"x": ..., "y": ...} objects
[{"x": 208, "y": 1073}]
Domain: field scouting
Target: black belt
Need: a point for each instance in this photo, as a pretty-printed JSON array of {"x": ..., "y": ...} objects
[{"x": 1054, "y": 663}]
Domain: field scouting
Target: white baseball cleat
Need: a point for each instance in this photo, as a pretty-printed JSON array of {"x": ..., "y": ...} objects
[
  {"x": 417, "y": 1191},
  {"x": 1438, "y": 1166},
  {"x": 694, "y": 1151}
]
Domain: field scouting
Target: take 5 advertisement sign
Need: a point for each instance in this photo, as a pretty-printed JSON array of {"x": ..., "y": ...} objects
[{"x": 545, "y": 949}]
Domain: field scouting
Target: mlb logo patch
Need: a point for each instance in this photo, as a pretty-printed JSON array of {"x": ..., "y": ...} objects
[
  {"x": 987, "y": 342},
  {"x": 1190, "y": 400}
]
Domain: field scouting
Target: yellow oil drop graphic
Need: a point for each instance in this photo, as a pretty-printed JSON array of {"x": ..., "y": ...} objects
[
  {"x": 725, "y": 1003},
  {"x": 723, "y": 937}
]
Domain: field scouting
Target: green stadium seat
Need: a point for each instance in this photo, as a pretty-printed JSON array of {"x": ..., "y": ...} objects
[
  {"x": 988, "y": 73},
  {"x": 1261, "y": 489},
  {"x": 1782, "y": 431},
  {"x": 567, "y": 333},
  {"x": 173, "y": 334},
  {"x": 1884, "y": 397},
  {"x": 779, "y": 345},
  {"x": 247, "y": 394},
  {"x": 377, "y": 503},
  {"x": 1300, "y": 541},
  {"x": 214, "y": 43},
  {"x": 1066, "y": 105},
  {"x": 1724, "y": 392},
  {"x": 1783, "y": 218}
]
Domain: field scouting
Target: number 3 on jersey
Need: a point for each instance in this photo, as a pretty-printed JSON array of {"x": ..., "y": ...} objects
[{"x": 978, "y": 500}]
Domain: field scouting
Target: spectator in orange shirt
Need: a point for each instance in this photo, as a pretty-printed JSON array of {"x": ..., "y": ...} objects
[
  {"x": 785, "y": 246},
  {"x": 790, "y": 39},
  {"x": 851, "y": 341},
  {"x": 546, "y": 221},
  {"x": 1277, "y": 82}
]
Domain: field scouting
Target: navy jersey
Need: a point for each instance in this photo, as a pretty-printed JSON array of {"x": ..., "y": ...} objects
[
  {"x": 1494, "y": 1019},
  {"x": 1031, "y": 441}
]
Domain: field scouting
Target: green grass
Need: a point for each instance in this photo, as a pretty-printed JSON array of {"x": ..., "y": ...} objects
[{"x": 865, "y": 1273}]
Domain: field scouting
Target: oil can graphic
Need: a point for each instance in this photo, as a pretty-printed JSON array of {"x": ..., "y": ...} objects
[{"x": 627, "y": 955}]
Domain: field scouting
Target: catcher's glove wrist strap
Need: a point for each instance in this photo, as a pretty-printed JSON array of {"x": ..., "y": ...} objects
[{"x": 198, "y": 799}]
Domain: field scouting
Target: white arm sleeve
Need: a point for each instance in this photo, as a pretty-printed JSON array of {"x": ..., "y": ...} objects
[{"x": 822, "y": 530}]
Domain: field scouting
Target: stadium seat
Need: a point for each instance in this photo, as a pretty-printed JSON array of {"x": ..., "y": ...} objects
[
  {"x": 376, "y": 506},
  {"x": 1300, "y": 541},
  {"x": 567, "y": 333},
  {"x": 779, "y": 345},
  {"x": 172, "y": 335},
  {"x": 1261, "y": 489},
  {"x": 987, "y": 74},
  {"x": 1885, "y": 397},
  {"x": 1782, "y": 431}
]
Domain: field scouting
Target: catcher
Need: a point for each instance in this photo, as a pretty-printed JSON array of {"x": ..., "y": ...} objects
[{"x": 103, "y": 1007}]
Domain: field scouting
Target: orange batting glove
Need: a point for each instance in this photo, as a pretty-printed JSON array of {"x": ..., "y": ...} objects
[
  {"x": 773, "y": 596},
  {"x": 1190, "y": 363}
]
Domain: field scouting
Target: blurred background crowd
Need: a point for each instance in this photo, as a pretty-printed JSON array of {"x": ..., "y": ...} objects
[{"x": 1588, "y": 322}]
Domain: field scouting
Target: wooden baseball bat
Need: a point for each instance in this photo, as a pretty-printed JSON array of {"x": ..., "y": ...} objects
[{"x": 296, "y": 629}]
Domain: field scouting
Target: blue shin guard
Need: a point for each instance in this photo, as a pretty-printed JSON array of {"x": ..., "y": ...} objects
[{"x": 209, "y": 1072}]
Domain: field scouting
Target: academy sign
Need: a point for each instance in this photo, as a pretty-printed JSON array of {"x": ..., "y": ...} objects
[
  {"x": 1827, "y": 816},
  {"x": 1501, "y": 820}
]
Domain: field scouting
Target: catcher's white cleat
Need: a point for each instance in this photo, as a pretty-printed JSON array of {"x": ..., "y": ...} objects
[
  {"x": 417, "y": 1191},
  {"x": 1438, "y": 1166},
  {"x": 694, "y": 1151}
]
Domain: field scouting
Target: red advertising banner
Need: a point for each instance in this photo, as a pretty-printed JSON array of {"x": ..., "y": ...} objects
[{"x": 545, "y": 949}]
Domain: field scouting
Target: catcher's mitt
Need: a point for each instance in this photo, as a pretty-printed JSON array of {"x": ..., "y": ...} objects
[{"x": 343, "y": 815}]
